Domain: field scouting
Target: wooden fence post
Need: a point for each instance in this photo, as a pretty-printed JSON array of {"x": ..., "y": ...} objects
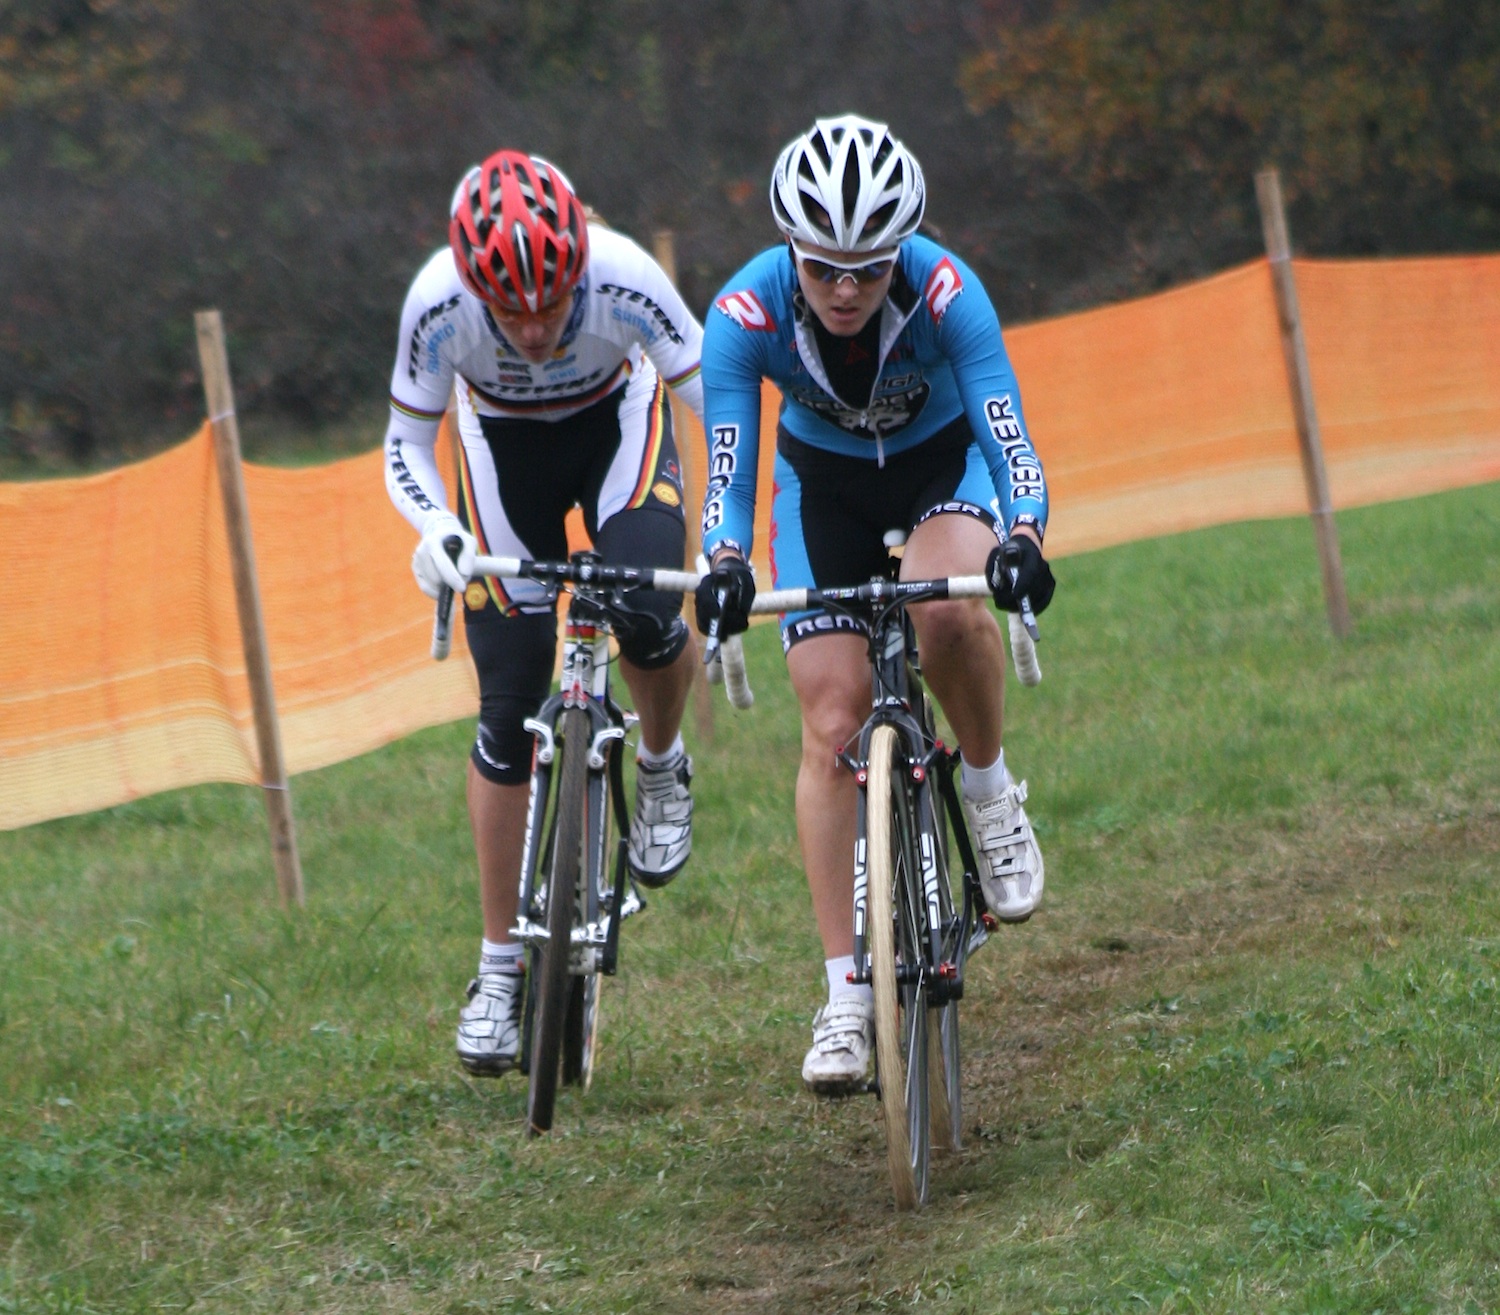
[
  {"x": 1309, "y": 438},
  {"x": 664, "y": 248},
  {"x": 275, "y": 789}
]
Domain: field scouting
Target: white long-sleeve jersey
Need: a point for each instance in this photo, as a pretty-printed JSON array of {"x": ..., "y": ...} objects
[{"x": 627, "y": 318}]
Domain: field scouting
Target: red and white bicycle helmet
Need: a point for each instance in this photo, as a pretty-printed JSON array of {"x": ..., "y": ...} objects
[
  {"x": 847, "y": 185},
  {"x": 519, "y": 234}
]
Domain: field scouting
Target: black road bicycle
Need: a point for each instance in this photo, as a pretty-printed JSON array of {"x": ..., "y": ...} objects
[
  {"x": 914, "y": 928},
  {"x": 571, "y": 901}
]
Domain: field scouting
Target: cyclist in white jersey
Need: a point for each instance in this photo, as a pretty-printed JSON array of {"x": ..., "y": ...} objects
[{"x": 558, "y": 337}]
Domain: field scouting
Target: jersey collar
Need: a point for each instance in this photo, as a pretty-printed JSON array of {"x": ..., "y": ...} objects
[{"x": 897, "y": 308}]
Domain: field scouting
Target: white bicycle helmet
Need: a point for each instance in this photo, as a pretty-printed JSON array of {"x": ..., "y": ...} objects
[{"x": 847, "y": 185}]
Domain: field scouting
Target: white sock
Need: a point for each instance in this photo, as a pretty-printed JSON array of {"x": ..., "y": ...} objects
[
  {"x": 839, "y": 985},
  {"x": 985, "y": 782},
  {"x": 646, "y": 758},
  {"x": 496, "y": 957}
]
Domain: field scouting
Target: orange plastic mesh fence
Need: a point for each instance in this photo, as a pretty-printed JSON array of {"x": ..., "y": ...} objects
[
  {"x": 348, "y": 631},
  {"x": 121, "y": 669},
  {"x": 1173, "y": 412},
  {"x": 1405, "y": 362},
  {"x": 1163, "y": 414},
  {"x": 122, "y": 672}
]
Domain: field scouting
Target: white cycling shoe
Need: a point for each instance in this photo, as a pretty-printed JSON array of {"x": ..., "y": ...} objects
[
  {"x": 843, "y": 1039},
  {"x": 489, "y": 1026},
  {"x": 1010, "y": 862},
  {"x": 661, "y": 829}
]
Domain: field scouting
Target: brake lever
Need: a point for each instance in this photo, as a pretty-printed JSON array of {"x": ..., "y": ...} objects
[
  {"x": 442, "y": 622},
  {"x": 1028, "y": 618},
  {"x": 711, "y": 644}
]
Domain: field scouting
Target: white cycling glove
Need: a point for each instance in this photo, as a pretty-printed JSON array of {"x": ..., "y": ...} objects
[{"x": 431, "y": 564}]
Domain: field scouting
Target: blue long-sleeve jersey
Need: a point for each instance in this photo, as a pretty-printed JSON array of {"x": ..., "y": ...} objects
[{"x": 941, "y": 356}]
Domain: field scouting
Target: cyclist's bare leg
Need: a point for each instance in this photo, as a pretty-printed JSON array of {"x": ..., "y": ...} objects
[
  {"x": 963, "y": 659},
  {"x": 661, "y": 694},
  {"x": 831, "y": 677},
  {"x": 963, "y": 655},
  {"x": 497, "y": 814}
]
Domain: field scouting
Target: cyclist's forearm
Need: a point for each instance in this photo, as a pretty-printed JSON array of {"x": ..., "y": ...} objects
[{"x": 412, "y": 477}]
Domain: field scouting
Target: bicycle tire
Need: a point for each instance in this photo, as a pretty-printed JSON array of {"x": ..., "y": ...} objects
[
  {"x": 553, "y": 957},
  {"x": 581, "y": 1028},
  {"x": 896, "y": 922}
]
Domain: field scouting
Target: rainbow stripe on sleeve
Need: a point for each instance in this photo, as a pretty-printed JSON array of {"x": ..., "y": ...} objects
[{"x": 415, "y": 412}]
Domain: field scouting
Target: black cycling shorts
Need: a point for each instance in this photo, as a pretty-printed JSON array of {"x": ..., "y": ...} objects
[
  {"x": 831, "y": 512},
  {"x": 628, "y": 482}
]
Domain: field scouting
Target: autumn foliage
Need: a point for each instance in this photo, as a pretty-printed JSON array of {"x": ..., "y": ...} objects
[{"x": 289, "y": 161}]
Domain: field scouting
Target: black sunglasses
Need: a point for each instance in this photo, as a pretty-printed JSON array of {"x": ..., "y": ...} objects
[{"x": 826, "y": 273}]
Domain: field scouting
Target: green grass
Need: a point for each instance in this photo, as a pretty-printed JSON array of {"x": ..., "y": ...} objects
[{"x": 1247, "y": 1059}]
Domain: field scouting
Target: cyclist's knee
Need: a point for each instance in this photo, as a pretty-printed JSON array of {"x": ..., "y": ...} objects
[
  {"x": 646, "y": 536},
  {"x": 832, "y": 682},
  {"x": 656, "y": 641},
  {"x": 513, "y": 656},
  {"x": 941, "y": 626},
  {"x": 501, "y": 752},
  {"x": 827, "y": 726}
]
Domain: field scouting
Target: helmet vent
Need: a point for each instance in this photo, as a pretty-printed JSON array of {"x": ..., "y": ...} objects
[
  {"x": 821, "y": 221},
  {"x": 518, "y": 233},
  {"x": 880, "y": 218},
  {"x": 849, "y": 185}
]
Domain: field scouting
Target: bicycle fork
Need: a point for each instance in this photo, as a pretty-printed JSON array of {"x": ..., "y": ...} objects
[
  {"x": 947, "y": 947},
  {"x": 595, "y": 936}
]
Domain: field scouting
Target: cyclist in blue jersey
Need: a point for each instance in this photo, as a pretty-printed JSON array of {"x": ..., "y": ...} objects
[{"x": 900, "y": 411}]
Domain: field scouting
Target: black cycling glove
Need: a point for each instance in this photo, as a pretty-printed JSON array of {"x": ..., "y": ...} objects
[
  {"x": 1033, "y": 575},
  {"x": 734, "y": 580}
]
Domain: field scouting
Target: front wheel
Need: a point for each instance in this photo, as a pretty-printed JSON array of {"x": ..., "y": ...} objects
[
  {"x": 552, "y": 960},
  {"x": 898, "y": 965}
]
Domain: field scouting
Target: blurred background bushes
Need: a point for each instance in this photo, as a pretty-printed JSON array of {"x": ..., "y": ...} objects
[{"x": 290, "y": 161}]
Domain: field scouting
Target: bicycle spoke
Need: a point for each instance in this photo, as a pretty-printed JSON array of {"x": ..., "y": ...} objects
[{"x": 581, "y": 1031}]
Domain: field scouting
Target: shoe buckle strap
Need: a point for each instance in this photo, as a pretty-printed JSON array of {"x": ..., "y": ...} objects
[{"x": 841, "y": 1037}]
